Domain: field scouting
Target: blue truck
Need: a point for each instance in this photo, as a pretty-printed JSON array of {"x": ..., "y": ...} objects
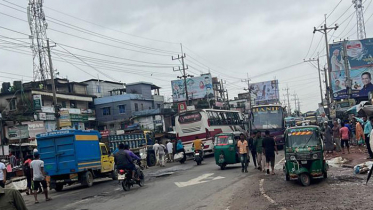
[{"x": 74, "y": 156}]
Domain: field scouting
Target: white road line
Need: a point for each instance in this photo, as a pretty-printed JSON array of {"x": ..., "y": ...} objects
[
  {"x": 279, "y": 162},
  {"x": 265, "y": 195}
]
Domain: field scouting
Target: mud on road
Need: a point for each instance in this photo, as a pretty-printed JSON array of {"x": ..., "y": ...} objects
[{"x": 342, "y": 190}]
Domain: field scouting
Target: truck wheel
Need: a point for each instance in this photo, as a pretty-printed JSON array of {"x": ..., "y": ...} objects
[
  {"x": 305, "y": 179},
  {"x": 87, "y": 179},
  {"x": 114, "y": 174},
  {"x": 151, "y": 159},
  {"x": 59, "y": 187}
]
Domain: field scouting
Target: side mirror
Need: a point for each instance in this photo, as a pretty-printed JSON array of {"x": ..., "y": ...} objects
[{"x": 230, "y": 141}]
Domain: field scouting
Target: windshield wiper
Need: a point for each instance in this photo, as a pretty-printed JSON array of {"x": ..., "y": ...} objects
[{"x": 307, "y": 141}]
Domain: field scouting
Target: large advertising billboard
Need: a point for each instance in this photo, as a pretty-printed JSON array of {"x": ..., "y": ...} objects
[
  {"x": 198, "y": 87},
  {"x": 360, "y": 61},
  {"x": 265, "y": 92}
]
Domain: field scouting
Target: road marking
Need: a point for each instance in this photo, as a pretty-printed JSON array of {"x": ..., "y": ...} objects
[
  {"x": 278, "y": 164},
  {"x": 198, "y": 180},
  {"x": 261, "y": 188}
]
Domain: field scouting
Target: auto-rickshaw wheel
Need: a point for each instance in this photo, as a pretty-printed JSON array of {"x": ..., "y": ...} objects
[
  {"x": 305, "y": 179},
  {"x": 287, "y": 177},
  {"x": 325, "y": 174},
  {"x": 222, "y": 166}
]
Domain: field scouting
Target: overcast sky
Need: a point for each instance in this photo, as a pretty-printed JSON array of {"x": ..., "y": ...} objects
[{"x": 134, "y": 40}]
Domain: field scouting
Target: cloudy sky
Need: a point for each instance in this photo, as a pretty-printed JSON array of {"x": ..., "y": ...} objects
[{"x": 130, "y": 41}]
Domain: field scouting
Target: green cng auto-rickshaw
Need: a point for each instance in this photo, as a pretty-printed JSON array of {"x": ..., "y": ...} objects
[
  {"x": 225, "y": 149},
  {"x": 304, "y": 154}
]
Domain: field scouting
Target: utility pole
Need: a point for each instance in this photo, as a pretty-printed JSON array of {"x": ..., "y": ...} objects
[
  {"x": 287, "y": 95},
  {"x": 318, "y": 68},
  {"x": 248, "y": 88},
  {"x": 295, "y": 101},
  {"x": 184, "y": 76},
  {"x": 324, "y": 29},
  {"x": 56, "y": 108},
  {"x": 347, "y": 70}
]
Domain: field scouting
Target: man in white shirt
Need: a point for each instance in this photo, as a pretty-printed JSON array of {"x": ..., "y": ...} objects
[
  {"x": 38, "y": 176},
  {"x": 156, "y": 147},
  {"x": 2, "y": 175},
  {"x": 170, "y": 149}
]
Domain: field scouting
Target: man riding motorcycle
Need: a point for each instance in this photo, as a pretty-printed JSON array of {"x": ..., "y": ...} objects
[
  {"x": 124, "y": 159},
  {"x": 198, "y": 146}
]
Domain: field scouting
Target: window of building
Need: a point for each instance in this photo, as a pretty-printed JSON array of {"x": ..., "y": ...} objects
[
  {"x": 106, "y": 111},
  {"x": 63, "y": 104},
  {"x": 122, "y": 109},
  {"x": 158, "y": 106},
  {"x": 136, "y": 107},
  {"x": 142, "y": 106},
  {"x": 13, "y": 104},
  {"x": 98, "y": 89}
]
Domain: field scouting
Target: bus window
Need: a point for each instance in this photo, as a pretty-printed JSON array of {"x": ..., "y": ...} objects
[
  {"x": 217, "y": 118},
  {"x": 223, "y": 118},
  {"x": 212, "y": 118}
]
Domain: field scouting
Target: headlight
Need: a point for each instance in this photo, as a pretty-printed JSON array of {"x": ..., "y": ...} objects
[
  {"x": 314, "y": 156},
  {"x": 293, "y": 158}
]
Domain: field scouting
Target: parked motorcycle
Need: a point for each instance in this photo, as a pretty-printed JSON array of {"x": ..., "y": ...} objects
[
  {"x": 125, "y": 176},
  {"x": 198, "y": 156}
]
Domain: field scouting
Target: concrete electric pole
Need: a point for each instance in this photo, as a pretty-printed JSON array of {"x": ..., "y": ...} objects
[
  {"x": 324, "y": 29},
  {"x": 56, "y": 108},
  {"x": 184, "y": 75},
  {"x": 248, "y": 88},
  {"x": 288, "y": 99},
  {"x": 318, "y": 68}
]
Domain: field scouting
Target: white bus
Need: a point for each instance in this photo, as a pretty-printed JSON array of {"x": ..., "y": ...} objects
[{"x": 205, "y": 124}]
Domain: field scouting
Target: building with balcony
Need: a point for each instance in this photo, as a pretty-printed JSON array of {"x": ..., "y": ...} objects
[{"x": 116, "y": 112}]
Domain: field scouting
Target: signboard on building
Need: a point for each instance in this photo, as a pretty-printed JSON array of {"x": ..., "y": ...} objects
[
  {"x": 182, "y": 107},
  {"x": 65, "y": 118},
  {"x": 18, "y": 132},
  {"x": 35, "y": 127},
  {"x": 37, "y": 102},
  {"x": 265, "y": 92},
  {"x": 198, "y": 87},
  {"x": 42, "y": 116},
  {"x": 360, "y": 60}
]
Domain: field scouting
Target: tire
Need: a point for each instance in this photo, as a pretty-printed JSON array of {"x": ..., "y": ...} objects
[
  {"x": 126, "y": 185},
  {"x": 114, "y": 174},
  {"x": 222, "y": 166},
  {"x": 287, "y": 177},
  {"x": 142, "y": 179},
  {"x": 182, "y": 161},
  {"x": 305, "y": 179},
  {"x": 325, "y": 174},
  {"x": 151, "y": 159},
  {"x": 87, "y": 179},
  {"x": 59, "y": 187},
  {"x": 198, "y": 163}
]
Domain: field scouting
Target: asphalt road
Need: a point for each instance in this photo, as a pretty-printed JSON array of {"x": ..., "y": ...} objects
[{"x": 177, "y": 186}]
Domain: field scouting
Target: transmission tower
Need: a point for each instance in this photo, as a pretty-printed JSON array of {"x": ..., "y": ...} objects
[
  {"x": 38, "y": 27},
  {"x": 360, "y": 19}
]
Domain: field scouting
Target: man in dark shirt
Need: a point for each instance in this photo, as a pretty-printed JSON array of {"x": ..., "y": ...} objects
[
  {"x": 366, "y": 78},
  {"x": 252, "y": 147},
  {"x": 269, "y": 148},
  {"x": 123, "y": 160}
]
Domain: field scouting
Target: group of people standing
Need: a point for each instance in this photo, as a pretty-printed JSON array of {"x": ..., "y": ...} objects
[
  {"x": 357, "y": 131},
  {"x": 259, "y": 147},
  {"x": 162, "y": 151}
]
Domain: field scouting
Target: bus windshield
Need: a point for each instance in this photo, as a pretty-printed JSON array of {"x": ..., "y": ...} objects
[{"x": 267, "y": 117}]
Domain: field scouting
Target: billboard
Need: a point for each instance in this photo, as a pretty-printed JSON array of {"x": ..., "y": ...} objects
[
  {"x": 265, "y": 92},
  {"x": 198, "y": 87},
  {"x": 360, "y": 61}
]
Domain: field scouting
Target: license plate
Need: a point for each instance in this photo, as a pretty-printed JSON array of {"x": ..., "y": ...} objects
[
  {"x": 304, "y": 161},
  {"x": 121, "y": 176},
  {"x": 197, "y": 154}
]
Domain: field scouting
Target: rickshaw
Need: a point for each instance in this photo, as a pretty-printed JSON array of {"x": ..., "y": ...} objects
[
  {"x": 225, "y": 149},
  {"x": 304, "y": 154}
]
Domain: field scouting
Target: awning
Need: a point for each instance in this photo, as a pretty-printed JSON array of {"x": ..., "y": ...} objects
[
  {"x": 64, "y": 96},
  {"x": 352, "y": 110}
]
